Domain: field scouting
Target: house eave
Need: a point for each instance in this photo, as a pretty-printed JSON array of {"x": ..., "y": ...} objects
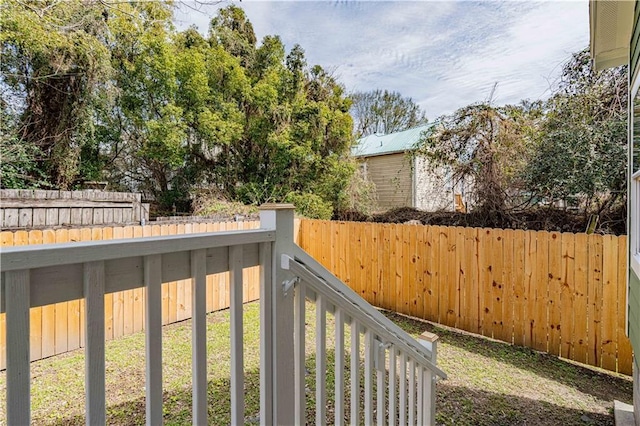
[
  {"x": 610, "y": 28},
  {"x": 380, "y": 154}
]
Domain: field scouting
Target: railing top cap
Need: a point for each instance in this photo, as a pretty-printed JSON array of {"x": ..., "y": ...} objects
[
  {"x": 428, "y": 337},
  {"x": 44, "y": 255},
  {"x": 276, "y": 206}
]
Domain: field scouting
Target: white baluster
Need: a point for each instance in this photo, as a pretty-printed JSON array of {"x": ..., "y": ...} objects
[
  {"x": 237, "y": 335},
  {"x": 393, "y": 397},
  {"x": 402, "y": 377},
  {"x": 94, "y": 376},
  {"x": 368, "y": 376},
  {"x": 199, "y": 335},
  {"x": 299, "y": 306},
  {"x": 380, "y": 373},
  {"x": 412, "y": 391},
  {"x": 355, "y": 373},
  {"x": 339, "y": 367},
  {"x": 321, "y": 360},
  {"x": 153, "y": 338},
  {"x": 420, "y": 400}
]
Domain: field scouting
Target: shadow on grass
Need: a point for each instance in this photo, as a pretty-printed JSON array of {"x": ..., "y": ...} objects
[
  {"x": 458, "y": 402},
  {"x": 458, "y": 405},
  {"x": 601, "y": 385},
  {"x": 177, "y": 405}
]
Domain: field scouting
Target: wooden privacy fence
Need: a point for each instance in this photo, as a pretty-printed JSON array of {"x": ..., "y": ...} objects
[
  {"x": 560, "y": 293},
  {"x": 41, "y": 209},
  {"x": 58, "y": 328}
]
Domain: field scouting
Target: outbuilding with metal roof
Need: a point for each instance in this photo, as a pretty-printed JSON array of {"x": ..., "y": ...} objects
[{"x": 403, "y": 179}]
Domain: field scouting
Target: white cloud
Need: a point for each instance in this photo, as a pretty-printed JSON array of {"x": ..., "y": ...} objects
[{"x": 443, "y": 54}]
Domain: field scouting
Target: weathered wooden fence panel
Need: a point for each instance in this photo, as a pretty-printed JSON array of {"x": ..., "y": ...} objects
[
  {"x": 559, "y": 293},
  {"x": 58, "y": 328},
  {"x": 28, "y": 209}
]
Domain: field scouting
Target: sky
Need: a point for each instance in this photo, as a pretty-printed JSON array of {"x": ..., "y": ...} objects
[{"x": 442, "y": 54}]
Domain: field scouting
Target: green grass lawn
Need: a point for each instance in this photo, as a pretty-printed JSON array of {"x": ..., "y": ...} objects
[{"x": 490, "y": 383}]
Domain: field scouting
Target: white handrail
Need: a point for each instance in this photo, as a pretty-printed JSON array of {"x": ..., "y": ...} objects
[
  {"x": 39, "y": 256},
  {"x": 56, "y": 269},
  {"x": 321, "y": 280}
]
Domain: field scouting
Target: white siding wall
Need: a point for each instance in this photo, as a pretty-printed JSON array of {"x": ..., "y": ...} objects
[
  {"x": 391, "y": 175},
  {"x": 433, "y": 191},
  {"x": 398, "y": 184}
]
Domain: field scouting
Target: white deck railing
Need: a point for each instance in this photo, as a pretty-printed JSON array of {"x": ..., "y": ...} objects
[
  {"x": 385, "y": 345},
  {"x": 41, "y": 275}
]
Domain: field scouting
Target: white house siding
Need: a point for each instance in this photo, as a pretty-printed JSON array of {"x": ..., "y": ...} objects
[
  {"x": 392, "y": 176},
  {"x": 399, "y": 184},
  {"x": 432, "y": 188}
]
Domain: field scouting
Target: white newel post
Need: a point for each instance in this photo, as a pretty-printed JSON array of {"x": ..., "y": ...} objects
[
  {"x": 280, "y": 315},
  {"x": 429, "y": 341}
]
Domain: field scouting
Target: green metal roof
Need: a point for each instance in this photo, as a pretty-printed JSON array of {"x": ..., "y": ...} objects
[{"x": 388, "y": 144}]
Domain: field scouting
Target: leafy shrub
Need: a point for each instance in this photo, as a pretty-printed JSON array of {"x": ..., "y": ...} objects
[
  {"x": 310, "y": 205},
  {"x": 361, "y": 194}
]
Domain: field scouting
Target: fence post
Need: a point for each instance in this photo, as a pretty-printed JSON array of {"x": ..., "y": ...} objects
[
  {"x": 429, "y": 341},
  {"x": 280, "y": 314}
]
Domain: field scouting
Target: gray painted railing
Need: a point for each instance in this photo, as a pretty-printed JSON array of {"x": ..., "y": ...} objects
[
  {"x": 385, "y": 344},
  {"x": 40, "y": 275}
]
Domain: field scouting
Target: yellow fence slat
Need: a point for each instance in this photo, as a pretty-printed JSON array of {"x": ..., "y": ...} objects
[
  {"x": 518, "y": 285},
  {"x": 530, "y": 273},
  {"x": 580, "y": 334},
  {"x": 407, "y": 278},
  {"x": 473, "y": 268},
  {"x": 450, "y": 314},
  {"x": 594, "y": 300},
  {"x": 138, "y": 293},
  {"x": 540, "y": 319},
  {"x": 6, "y": 240},
  {"x": 624, "y": 354},
  {"x": 419, "y": 255},
  {"x": 386, "y": 266},
  {"x": 496, "y": 286},
  {"x": 485, "y": 278},
  {"x": 107, "y": 234},
  {"x": 368, "y": 251},
  {"x": 425, "y": 271},
  {"x": 610, "y": 301},
  {"x": 118, "y": 298},
  {"x": 507, "y": 285},
  {"x": 567, "y": 280},
  {"x": 554, "y": 284},
  {"x": 188, "y": 285},
  {"x": 36, "y": 314}
]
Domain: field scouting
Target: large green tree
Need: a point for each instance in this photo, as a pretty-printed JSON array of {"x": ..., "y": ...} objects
[
  {"x": 54, "y": 60},
  {"x": 154, "y": 102},
  {"x": 580, "y": 156},
  {"x": 384, "y": 112},
  {"x": 111, "y": 91},
  {"x": 566, "y": 152},
  {"x": 488, "y": 147}
]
